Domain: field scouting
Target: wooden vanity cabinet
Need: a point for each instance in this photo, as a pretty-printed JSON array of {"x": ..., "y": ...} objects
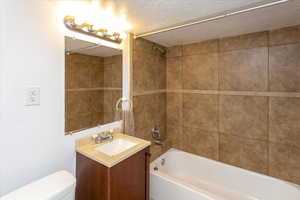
[{"x": 128, "y": 180}]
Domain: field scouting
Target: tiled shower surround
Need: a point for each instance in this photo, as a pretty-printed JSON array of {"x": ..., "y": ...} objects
[
  {"x": 235, "y": 100},
  {"x": 93, "y": 85},
  {"x": 149, "y": 85}
]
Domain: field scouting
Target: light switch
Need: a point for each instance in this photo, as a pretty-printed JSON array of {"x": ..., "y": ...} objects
[{"x": 32, "y": 96}]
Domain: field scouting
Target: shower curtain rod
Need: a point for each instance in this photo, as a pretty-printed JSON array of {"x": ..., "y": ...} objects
[{"x": 210, "y": 19}]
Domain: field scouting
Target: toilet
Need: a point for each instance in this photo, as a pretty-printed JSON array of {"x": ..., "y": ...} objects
[{"x": 57, "y": 186}]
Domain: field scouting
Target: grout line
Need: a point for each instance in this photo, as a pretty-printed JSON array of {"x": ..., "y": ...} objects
[
  {"x": 219, "y": 64},
  {"x": 149, "y": 92},
  {"x": 283, "y": 44},
  {"x": 215, "y": 92},
  {"x": 219, "y": 129},
  {"x": 92, "y": 89},
  {"x": 268, "y": 107},
  {"x": 268, "y": 136},
  {"x": 242, "y": 137},
  {"x": 219, "y": 98},
  {"x": 268, "y": 66},
  {"x": 239, "y": 93},
  {"x": 242, "y": 49}
]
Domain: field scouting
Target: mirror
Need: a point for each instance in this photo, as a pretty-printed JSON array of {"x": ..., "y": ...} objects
[{"x": 93, "y": 76}]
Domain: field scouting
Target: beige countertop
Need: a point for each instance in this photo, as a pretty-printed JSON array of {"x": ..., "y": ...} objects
[{"x": 89, "y": 150}]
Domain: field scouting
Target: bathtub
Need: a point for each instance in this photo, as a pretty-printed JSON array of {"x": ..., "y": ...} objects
[{"x": 177, "y": 175}]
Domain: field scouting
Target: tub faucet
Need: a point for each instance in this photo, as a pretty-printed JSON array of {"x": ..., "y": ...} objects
[
  {"x": 155, "y": 133},
  {"x": 159, "y": 143}
]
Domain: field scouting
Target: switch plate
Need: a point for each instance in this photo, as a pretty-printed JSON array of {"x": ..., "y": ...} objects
[{"x": 32, "y": 96}]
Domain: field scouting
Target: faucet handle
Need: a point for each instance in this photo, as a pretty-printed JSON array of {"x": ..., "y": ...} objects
[
  {"x": 155, "y": 133},
  {"x": 96, "y": 138},
  {"x": 102, "y": 136},
  {"x": 106, "y": 135}
]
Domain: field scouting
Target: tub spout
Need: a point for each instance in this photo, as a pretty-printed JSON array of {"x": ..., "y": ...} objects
[{"x": 160, "y": 143}]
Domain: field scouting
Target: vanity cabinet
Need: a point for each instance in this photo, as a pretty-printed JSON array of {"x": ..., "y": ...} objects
[{"x": 127, "y": 180}]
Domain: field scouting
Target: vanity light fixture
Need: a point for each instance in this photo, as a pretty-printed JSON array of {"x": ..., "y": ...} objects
[{"x": 86, "y": 28}]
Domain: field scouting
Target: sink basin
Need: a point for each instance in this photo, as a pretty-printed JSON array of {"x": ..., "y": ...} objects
[{"x": 115, "y": 147}]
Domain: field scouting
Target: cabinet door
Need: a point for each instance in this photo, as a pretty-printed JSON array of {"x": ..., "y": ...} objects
[
  {"x": 92, "y": 179},
  {"x": 129, "y": 179}
]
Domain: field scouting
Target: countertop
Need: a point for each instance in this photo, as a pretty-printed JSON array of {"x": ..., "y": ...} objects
[{"x": 89, "y": 151}]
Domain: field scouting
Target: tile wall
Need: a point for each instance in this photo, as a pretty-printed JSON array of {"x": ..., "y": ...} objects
[
  {"x": 92, "y": 86},
  {"x": 237, "y": 100},
  {"x": 149, "y": 85},
  {"x": 112, "y": 87}
]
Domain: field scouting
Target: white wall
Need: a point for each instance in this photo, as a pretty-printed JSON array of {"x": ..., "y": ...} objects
[
  {"x": 1, "y": 84},
  {"x": 32, "y": 142}
]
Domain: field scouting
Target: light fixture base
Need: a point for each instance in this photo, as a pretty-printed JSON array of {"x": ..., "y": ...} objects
[{"x": 87, "y": 29}]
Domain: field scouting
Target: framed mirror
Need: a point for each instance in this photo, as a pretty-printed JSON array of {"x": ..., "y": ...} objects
[{"x": 93, "y": 84}]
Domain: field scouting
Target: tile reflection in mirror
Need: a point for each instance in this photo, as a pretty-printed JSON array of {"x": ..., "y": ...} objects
[{"x": 93, "y": 76}]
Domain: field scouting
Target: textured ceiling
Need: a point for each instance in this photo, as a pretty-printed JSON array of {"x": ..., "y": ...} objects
[
  {"x": 259, "y": 20},
  {"x": 148, "y": 15}
]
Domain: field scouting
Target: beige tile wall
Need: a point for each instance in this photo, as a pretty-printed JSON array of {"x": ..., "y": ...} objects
[
  {"x": 149, "y": 67},
  {"x": 149, "y": 84},
  {"x": 113, "y": 86},
  {"x": 237, "y": 100},
  {"x": 92, "y": 86}
]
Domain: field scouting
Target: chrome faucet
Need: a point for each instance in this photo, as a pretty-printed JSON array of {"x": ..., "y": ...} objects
[
  {"x": 159, "y": 143},
  {"x": 155, "y": 133},
  {"x": 101, "y": 137}
]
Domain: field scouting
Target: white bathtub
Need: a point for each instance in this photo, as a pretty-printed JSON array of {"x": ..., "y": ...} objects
[{"x": 185, "y": 176}]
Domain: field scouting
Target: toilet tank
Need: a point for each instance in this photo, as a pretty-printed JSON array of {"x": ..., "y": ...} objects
[{"x": 57, "y": 186}]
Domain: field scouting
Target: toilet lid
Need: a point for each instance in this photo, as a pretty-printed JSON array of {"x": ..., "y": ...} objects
[{"x": 53, "y": 187}]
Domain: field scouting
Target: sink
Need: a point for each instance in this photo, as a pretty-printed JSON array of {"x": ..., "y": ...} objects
[{"x": 115, "y": 146}]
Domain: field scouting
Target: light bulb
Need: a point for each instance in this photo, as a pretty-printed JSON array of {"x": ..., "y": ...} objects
[
  {"x": 123, "y": 35},
  {"x": 97, "y": 26},
  {"x": 110, "y": 32}
]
